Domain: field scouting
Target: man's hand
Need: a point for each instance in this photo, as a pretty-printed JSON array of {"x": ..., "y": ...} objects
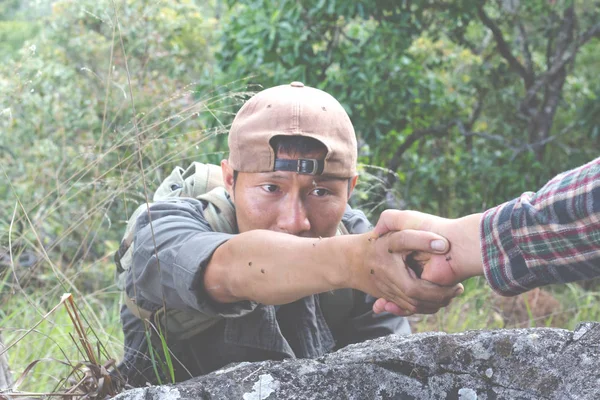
[
  {"x": 462, "y": 261},
  {"x": 383, "y": 273}
]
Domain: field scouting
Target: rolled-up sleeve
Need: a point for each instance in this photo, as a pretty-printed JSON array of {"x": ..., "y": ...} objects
[
  {"x": 173, "y": 245},
  {"x": 552, "y": 236}
]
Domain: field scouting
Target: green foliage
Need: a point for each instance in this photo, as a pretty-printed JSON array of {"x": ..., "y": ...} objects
[
  {"x": 81, "y": 107},
  {"x": 429, "y": 89},
  {"x": 9, "y": 9},
  {"x": 94, "y": 110},
  {"x": 562, "y": 306},
  {"x": 355, "y": 50},
  {"x": 12, "y": 36}
]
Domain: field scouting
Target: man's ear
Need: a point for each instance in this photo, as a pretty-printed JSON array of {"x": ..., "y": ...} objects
[
  {"x": 228, "y": 180},
  {"x": 352, "y": 184}
]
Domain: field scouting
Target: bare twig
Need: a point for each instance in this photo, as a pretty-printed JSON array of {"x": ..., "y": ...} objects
[{"x": 79, "y": 329}]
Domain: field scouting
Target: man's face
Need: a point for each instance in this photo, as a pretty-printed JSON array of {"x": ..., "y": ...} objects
[{"x": 283, "y": 201}]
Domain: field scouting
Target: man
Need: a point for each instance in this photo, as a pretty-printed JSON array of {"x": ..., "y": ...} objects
[
  {"x": 551, "y": 236},
  {"x": 280, "y": 285}
]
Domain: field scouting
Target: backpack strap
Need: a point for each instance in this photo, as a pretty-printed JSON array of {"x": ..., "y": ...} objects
[
  {"x": 219, "y": 211},
  {"x": 194, "y": 181},
  {"x": 342, "y": 230},
  {"x": 124, "y": 254}
]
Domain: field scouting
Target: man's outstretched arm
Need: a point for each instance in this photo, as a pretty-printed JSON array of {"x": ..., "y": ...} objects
[
  {"x": 552, "y": 236},
  {"x": 275, "y": 268}
]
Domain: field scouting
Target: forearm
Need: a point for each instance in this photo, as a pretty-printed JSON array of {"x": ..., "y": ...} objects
[
  {"x": 286, "y": 268},
  {"x": 275, "y": 268},
  {"x": 465, "y": 246}
]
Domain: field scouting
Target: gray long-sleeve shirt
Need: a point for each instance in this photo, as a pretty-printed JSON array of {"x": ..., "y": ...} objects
[{"x": 168, "y": 266}]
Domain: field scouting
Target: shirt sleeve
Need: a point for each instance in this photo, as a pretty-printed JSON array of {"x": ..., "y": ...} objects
[
  {"x": 356, "y": 221},
  {"x": 170, "y": 256},
  {"x": 552, "y": 236}
]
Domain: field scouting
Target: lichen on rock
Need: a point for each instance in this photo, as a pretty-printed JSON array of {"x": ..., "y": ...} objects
[{"x": 536, "y": 363}]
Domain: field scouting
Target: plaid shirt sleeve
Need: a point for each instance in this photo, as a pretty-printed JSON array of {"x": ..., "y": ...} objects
[{"x": 552, "y": 236}]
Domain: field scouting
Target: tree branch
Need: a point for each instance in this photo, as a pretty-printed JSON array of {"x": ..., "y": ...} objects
[
  {"x": 564, "y": 37},
  {"x": 489, "y": 136},
  {"x": 438, "y": 130},
  {"x": 563, "y": 57},
  {"x": 457, "y": 34},
  {"x": 476, "y": 110},
  {"x": 594, "y": 31},
  {"x": 543, "y": 142},
  {"x": 352, "y": 40},
  {"x": 413, "y": 137},
  {"x": 549, "y": 46},
  {"x": 503, "y": 47},
  {"x": 526, "y": 50}
]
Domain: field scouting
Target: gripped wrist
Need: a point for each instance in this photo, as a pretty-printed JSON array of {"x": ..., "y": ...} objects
[
  {"x": 468, "y": 228},
  {"x": 349, "y": 254},
  {"x": 358, "y": 253}
]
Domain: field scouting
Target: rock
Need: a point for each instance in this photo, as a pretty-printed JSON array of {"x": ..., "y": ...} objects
[{"x": 536, "y": 363}]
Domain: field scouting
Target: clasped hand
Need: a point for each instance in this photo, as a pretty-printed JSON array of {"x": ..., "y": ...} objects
[{"x": 417, "y": 261}]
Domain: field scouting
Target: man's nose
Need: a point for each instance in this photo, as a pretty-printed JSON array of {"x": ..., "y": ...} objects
[{"x": 293, "y": 218}]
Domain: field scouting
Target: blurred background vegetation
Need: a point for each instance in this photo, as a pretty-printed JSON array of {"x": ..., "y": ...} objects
[{"x": 458, "y": 106}]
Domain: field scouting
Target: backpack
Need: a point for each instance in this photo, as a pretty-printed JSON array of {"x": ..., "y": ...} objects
[{"x": 203, "y": 182}]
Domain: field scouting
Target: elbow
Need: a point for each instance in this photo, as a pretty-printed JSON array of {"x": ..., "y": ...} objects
[{"x": 219, "y": 285}]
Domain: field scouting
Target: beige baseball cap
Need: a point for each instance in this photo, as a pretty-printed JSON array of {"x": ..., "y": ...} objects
[{"x": 289, "y": 110}]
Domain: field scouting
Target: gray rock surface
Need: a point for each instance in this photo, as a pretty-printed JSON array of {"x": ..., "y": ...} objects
[{"x": 538, "y": 363}]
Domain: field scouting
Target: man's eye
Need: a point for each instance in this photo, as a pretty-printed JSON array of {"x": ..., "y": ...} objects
[
  {"x": 270, "y": 188},
  {"x": 320, "y": 192}
]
